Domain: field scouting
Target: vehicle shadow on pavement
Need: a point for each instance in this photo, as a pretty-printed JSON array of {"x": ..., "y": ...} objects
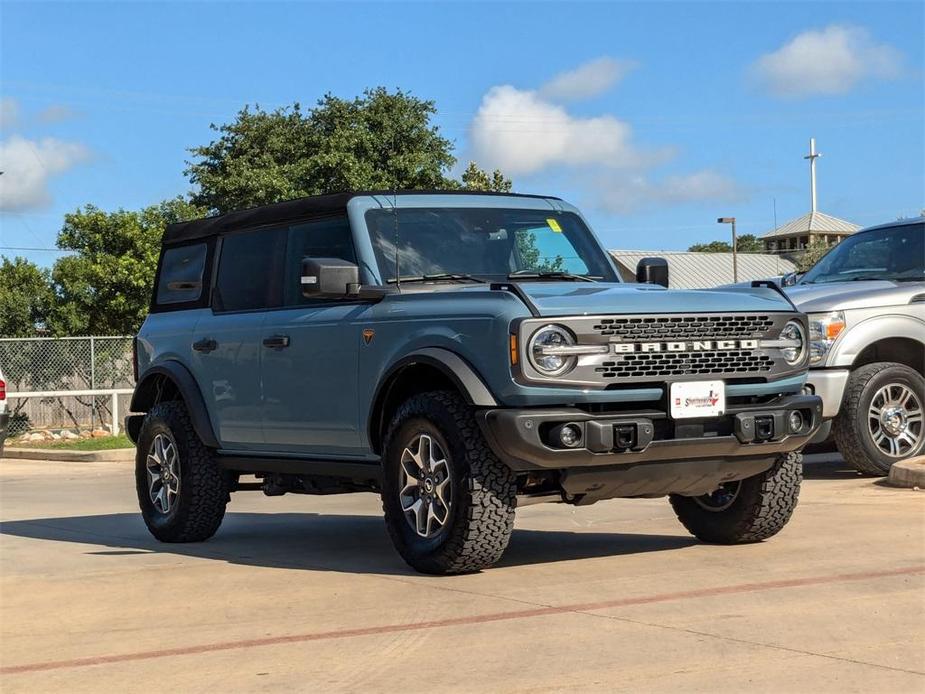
[
  {"x": 308, "y": 541},
  {"x": 827, "y": 467}
]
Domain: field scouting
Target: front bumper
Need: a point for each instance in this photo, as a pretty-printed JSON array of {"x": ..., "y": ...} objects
[
  {"x": 522, "y": 437},
  {"x": 829, "y": 384}
]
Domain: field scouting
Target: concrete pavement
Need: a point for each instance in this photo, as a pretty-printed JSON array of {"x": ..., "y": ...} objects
[{"x": 299, "y": 593}]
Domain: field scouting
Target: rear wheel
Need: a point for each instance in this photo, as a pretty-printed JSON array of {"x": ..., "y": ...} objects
[
  {"x": 448, "y": 501},
  {"x": 882, "y": 418},
  {"x": 749, "y": 510},
  {"x": 181, "y": 490}
]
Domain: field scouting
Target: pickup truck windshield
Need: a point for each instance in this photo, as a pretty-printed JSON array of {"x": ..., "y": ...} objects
[
  {"x": 489, "y": 243},
  {"x": 895, "y": 253}
]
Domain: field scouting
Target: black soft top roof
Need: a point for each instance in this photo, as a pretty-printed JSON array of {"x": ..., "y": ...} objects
[{"x": 290, "y": 210}]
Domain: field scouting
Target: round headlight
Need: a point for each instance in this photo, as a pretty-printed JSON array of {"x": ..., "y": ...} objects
[
  {"x": 542, "y": 350},
  {"x": 793, "y": 333}
]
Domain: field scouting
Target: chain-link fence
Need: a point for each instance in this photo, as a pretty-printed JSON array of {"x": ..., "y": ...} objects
[{"x": 65, "y": 364}]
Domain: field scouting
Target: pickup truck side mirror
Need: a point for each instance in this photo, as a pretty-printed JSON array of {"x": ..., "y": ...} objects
[
  {"x": 652, "y": 271},
  {"x": 790, "y": 279},
  {"x": 329, "y": 278}
]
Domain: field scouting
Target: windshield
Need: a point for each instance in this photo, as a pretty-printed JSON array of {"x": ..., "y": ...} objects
[
  {"x": 895, "y": 253},
  {"x": 487, "y": 243}
]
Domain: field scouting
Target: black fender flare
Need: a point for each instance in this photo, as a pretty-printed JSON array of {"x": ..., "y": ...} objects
[
  {"x": 146, "y": 393},
  {"x": 453, "y": 366}
]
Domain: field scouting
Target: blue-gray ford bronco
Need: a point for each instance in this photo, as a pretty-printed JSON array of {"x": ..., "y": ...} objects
[{"x": 461, "y": 354}]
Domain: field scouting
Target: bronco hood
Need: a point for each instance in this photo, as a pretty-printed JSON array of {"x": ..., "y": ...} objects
[
  {"x": 835, "y": 296},
  {"x": 577, "y": 298}
]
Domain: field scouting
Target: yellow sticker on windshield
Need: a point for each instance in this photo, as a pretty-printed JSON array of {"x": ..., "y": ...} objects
[{"x": 554, "y": 225}]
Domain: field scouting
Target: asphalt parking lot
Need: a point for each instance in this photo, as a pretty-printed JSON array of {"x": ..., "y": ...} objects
[{"x": 299, "y": 593}]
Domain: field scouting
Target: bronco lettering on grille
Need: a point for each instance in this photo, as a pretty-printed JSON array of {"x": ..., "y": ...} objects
[{"x": 692, "y": 346}]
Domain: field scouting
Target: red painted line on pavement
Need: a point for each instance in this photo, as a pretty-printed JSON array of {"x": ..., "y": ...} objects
[{"x": 454, "y": 621}]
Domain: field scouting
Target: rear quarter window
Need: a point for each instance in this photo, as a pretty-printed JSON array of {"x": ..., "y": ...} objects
[{"x": 181, "y": 277}]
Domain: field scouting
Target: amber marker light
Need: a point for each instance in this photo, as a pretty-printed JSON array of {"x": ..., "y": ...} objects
[{"x": 513, "y": 350}]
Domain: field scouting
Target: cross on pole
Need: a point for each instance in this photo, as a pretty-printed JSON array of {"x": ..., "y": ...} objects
[{"x": 812, "y": 156}]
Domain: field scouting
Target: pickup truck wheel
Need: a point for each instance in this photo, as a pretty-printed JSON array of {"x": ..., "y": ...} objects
[
  {"x": 182, "y": 491},
  {"x": 881, "y": 417},
  {"x": 750, "y": 510},
  {"x": 448, "y": 501}
]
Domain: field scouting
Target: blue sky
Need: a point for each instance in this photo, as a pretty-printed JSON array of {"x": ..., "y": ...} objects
[{"x": 654, "y": 117}]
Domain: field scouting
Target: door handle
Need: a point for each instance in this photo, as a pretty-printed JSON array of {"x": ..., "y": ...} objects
[
  {"x": 277, "y": 342},
  {"x": 205, "y": 345}
]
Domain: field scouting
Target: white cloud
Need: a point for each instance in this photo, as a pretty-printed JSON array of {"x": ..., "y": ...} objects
[
  {"x": 825, "y": 62},
  {"x": 9, "y": 113},
  {"x": 629, "y": 193},
  {"x": 28, "y": 165},
  {"x": 520, "y": 132},
  {"x": 587, "y": 80}
]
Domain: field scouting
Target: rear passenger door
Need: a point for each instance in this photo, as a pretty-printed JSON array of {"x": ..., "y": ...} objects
[
  {"x": 226, "y": 346},
  {"x": 310, "y": 355}
]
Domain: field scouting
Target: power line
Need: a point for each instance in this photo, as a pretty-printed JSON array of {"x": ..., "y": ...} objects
[{"x": 24, "y": 248}]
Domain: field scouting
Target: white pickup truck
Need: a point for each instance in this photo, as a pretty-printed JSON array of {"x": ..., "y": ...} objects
[{"x": 866, "y": 306}]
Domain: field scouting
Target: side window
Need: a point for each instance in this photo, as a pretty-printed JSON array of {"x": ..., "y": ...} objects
[
  {"x": 248, "y": 273},
  {"x": 180, "y": 279},
  {"x": 323, "y": 238}
]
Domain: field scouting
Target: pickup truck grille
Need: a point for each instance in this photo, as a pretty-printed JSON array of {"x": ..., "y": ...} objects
[
  {"x": 683, "y": 327},
  {"x": 742, "y": 362}
]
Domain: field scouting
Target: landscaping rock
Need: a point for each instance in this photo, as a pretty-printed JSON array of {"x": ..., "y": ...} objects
[
  {"x": 69, "y": 435},
  {"x": 99, "y": 433}
]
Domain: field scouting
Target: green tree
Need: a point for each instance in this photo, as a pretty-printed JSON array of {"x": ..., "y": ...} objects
[
  {"x": 474, "y": 178},
  {"x": 810, "y": 255},
  {"x": 747, "y": 243},
  {"x": 25, "y": 298},
  {"x": 104, "y": 288},
  {"x": 380, "y": 140}
]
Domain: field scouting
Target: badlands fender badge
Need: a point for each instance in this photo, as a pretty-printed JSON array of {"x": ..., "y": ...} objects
[{"x": 368, "y": 334}]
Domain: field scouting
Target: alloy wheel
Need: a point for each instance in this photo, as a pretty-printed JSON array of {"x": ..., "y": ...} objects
[
  {"x": 426, "y": 487},
  {"x": 721, "y": 499},
  {"x": 163, "y": 467},
  {"x": 895, "y": 420}
]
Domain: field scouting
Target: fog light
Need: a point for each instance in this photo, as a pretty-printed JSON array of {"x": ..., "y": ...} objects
[
  {"x": 796, "y": 421},
  {"x": 570, "y": 435}
]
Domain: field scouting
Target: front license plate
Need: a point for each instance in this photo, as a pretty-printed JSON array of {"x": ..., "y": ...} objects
[{"x": 697, "y": 399}]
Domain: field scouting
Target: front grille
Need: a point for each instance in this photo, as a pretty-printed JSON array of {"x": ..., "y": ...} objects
[
  {"x": 663, "y": 364},
  {"x": 650, "y": 328}
]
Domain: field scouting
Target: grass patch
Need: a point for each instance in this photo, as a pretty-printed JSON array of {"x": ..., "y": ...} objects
[{"x": 105, "y": 443}]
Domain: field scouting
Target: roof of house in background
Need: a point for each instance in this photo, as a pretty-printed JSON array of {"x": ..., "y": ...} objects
[
  {"x": 687, "y": 270},
  {"x": 813, "y": 222}
]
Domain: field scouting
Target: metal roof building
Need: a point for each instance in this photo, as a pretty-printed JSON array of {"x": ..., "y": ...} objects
[
  {"x": 803, "y": 231},
  {"x": 687, "y": 270}
]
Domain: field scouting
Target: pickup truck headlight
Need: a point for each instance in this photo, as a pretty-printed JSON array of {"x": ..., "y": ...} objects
[
  {"x": 824, "y": 329},
  {"x": 549, "y": 350}
]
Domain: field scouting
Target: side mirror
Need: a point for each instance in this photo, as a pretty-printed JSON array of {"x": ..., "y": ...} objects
[
  {"x": 328, "y": 278},
  {"x": 652, "y": 271},
  {"x": 790, "y": 279}
]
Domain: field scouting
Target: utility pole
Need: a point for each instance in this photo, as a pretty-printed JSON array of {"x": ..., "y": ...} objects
[
  {"x": 735, "y": 246},
  {"x": 812, "y": 156}
]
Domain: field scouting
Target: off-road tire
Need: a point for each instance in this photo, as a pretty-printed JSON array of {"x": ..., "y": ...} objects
[
  {"x": 204, "y": 486},
  {"x": 762, "y": 508},
  {"x": 850, "y": 427},
  {"x": 481, "y": 517}
]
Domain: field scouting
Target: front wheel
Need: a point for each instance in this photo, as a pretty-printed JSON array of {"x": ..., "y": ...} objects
[
  {"x": 448, "y": 501},
  {"x": 882, "y": 418},
  {"x": 749, "y": 510}
]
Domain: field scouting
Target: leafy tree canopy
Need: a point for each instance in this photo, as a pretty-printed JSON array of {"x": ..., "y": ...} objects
[
  {"x": 747, "y": 243},
  {"x": 25, "y": 298},
  {"x": 378, "y": 140}
]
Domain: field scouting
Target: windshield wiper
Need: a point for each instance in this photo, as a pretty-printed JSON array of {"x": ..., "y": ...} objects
[
  {"x": 439, "y": 277},
  {"x": 552, "y": 274}
]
